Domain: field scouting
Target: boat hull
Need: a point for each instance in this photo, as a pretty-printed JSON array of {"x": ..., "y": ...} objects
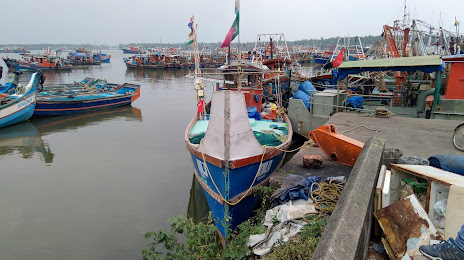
[
  {"x": 19, "y": 111},
  {"x": 126, "y": 51},
  {"x": 34, "y": 67},
  {"x": 233, "y": 187},
  {"x": 53, "y": 108}
]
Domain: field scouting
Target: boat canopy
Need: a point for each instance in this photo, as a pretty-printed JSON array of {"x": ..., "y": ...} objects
[
  {"x": 453, "y": 58},
  {"x": 76, "y": 54},
  {"x": 427, "y": 64}
]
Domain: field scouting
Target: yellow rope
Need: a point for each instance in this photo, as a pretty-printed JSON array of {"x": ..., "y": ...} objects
[
  {"x": 326, "y": 196},
  {"x": 309, "y": 143},
  {"x": 251, "y": 186}
]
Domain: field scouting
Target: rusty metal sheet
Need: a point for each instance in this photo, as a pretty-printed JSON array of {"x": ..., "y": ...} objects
[{"x": 406, "y": 226}]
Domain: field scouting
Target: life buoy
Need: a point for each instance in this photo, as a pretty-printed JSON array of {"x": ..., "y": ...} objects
[{"x": 270, "y": 47}]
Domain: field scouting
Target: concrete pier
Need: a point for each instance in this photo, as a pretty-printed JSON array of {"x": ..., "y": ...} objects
[{"x": 347, "y": 234}]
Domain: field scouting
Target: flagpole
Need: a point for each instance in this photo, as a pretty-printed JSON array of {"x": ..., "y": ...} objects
[{"x": 237, "y": 5}]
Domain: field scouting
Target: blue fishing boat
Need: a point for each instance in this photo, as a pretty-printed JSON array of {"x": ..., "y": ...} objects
[
  {"x": 75, "y": 58},
  {"x": 72, "y": 101},
  {"x": 37, "y": 62},
  {"x": 102, "y": 57},
  {"x": 233, "y": 154},
  {"x": 19, "y": 106}
]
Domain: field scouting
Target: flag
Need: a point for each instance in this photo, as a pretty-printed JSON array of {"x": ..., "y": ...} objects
[
  {"x": 233, "y": 32},
  {"x": 339, "y": 59},
  {"x": 192, "y": 31},
  {"x": 456, "y": 23}
]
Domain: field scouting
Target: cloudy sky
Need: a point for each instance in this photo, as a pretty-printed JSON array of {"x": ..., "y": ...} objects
[{"x": 124, "y": 21}]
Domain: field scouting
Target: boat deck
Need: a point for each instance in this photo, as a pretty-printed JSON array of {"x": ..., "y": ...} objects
[{"x": 266, "y": 132}]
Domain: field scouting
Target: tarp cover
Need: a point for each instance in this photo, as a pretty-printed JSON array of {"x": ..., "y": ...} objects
[
  {"x": 451, "y": 163},
  {"x": 427, "y": 64},
  {"x": 229, "y": 135},
  {"x": 75, "y": 54}
]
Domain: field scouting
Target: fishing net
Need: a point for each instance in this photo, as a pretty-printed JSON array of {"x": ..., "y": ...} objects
[{"x": 265, "y": 137}]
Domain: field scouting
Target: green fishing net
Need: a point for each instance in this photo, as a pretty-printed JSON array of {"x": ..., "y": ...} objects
[{"x": 265, "y": 137}]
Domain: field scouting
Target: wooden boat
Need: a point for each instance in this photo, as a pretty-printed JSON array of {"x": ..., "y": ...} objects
[
  {"x": 20, "y": 106},
  {"x": 33, "y": 62},
  {"x": 131, "y": 50},
  {"x": 102, "y": 57},
  {"x": 75, "y": 58},
  {"x": 83, "y": 100},
  {"x": 231, "y": 159}
]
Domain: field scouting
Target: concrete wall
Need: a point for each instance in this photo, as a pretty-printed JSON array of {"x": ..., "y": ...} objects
[{"x": 347, "y": 234}]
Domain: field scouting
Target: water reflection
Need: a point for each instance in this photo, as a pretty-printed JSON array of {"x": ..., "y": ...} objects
[
  {"x": 156, "y": 74},
  {"x": 197, "y": 207},
  {"x": 26, "y": 138}
]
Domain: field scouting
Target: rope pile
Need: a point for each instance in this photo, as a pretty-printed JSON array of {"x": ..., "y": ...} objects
[{"x": 325, "y": 197}]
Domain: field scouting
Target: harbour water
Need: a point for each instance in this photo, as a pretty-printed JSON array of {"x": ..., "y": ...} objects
[{"x": 89, "y": 186}]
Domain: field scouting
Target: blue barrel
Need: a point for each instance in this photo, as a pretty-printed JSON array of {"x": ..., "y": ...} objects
[
  {"x": 307, "y": 87},
  {"x": 303, "y": 97}
]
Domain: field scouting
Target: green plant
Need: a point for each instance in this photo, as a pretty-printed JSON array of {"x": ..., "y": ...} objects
[
  {"x": 275, "y": 220},
  {"x": 200, "y": 240}
]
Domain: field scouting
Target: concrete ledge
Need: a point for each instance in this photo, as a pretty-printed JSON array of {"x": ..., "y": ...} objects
[{"x": 346, "y": 236}]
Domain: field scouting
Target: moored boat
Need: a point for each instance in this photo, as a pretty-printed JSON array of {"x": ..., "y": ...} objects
[
  {"x": 75, "y": 58},
  {"x": 233, "y": 154},
  {"x": 36, "y": 62},
  {"x": 83, "y": 100},
  {"x": 102, "y": 57},
  {"x": 20, "y": 106},
  {"x": 131, "y": 50}
]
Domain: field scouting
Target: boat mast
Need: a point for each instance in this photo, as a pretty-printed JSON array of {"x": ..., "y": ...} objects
[
  {"x": 239, "y": 81},
  {"x": 199, "y": 86}
]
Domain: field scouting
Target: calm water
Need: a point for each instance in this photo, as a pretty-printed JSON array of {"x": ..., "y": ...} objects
[{"x": 89, "y": 186}]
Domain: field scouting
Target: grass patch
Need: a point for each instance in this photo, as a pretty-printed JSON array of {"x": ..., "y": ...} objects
[{"x": 201, "y": 240}]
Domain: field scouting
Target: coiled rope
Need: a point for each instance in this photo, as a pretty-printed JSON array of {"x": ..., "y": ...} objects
[{"x": 325, "y": 197}]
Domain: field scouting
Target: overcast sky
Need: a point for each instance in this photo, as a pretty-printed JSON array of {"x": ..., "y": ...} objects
[{"x": 122, "y": 21}]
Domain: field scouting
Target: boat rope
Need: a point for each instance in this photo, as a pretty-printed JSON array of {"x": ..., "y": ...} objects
[
  {"x": 309, "y": 143},
  {"x": 251, "y": 186},
  {"x": 354, "y": 128},
  {"x": 325, "y": 197}
]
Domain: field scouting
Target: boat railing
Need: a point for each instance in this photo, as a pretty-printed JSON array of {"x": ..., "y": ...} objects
[{"x": 385, "y": 99}]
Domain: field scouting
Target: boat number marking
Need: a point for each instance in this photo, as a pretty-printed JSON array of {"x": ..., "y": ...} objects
[
  {"x": 25, "y": 102},
  {"x": 202, "y": 170},
  {"x": 265, "y": 168}
]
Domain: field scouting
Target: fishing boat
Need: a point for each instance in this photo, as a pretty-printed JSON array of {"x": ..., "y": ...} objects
[
  {"x": 131, "y": 50},
  {"x": 79, "y": 100},
  {"x": 233, "y": 154},
  {"x": 102, "y": 57},
  {"x": 20, "y": 106},
  {"x": 37, "y": 62},
  {"x": 76, "y": 58}
]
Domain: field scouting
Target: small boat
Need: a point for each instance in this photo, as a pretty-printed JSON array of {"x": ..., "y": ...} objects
[
  {"x": 102, "y": 57},
  {"x": 20, "y": 106},
  {"x": 233, "y": 154},
  {"x": 79, "y": 99},
  {"x": 35, "y": 62},
  {"x": 76, "y": 58},
  {"x": 131, "y": 50}
]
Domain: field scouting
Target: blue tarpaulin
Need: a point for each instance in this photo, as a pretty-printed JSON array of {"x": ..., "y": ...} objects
[
  {"x": 294, "y": 187},
  {"x": 451, "y": 163},
  {"x": 356, "y": 102},
  {"x": 75, "y": 54}
]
